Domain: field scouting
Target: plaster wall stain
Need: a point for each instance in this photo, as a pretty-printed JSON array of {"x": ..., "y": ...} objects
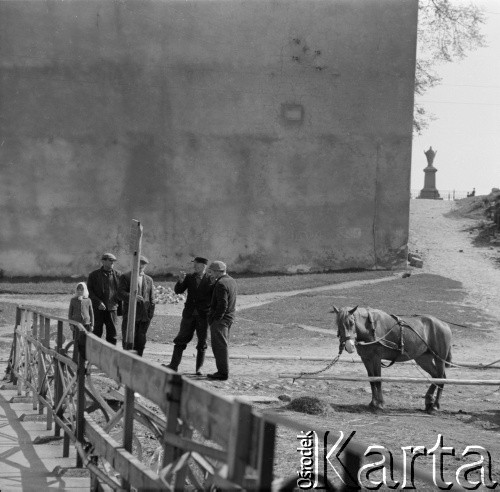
[{"x": 171, "y": 113}]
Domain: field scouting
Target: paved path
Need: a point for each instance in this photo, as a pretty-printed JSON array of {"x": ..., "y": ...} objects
[
  {"x": 244, "y": 301},
  {"x": 26, "y": 466}
]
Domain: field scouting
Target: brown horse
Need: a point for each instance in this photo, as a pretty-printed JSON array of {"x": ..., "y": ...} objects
[{"x": 377, "y": 335}]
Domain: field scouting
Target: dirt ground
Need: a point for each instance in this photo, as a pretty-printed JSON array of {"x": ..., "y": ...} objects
[{"x": 459, "y": 283}]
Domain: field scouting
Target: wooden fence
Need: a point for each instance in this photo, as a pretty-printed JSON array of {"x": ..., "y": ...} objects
[{"x": 207, "y": 440}]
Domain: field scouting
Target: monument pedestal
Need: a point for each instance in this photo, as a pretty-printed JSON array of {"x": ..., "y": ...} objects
[
  {"x": 430, "y": 194},
  {"x": 429, "y": 191}
]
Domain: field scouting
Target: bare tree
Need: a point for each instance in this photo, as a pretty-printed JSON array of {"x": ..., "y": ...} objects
[{"x": 447, "y": 31}]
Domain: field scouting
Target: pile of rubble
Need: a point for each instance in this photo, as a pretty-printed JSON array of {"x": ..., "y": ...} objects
[
  {"x": 166, "y": 295},
  {"x": 415, "y": 260}
]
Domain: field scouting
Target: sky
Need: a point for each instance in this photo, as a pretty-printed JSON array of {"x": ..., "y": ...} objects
[{"x": 466, "y": 132}]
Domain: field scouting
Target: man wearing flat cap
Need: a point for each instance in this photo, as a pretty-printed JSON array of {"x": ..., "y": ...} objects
[
  {"x": 145, "y": 306},
  {"x": 102, "y": 285},
  {"x": 195, "y": 314},
  {"x": 221, "y": 317}
]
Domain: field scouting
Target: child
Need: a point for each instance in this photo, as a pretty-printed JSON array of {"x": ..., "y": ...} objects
[{"x": 80, "y": 307}]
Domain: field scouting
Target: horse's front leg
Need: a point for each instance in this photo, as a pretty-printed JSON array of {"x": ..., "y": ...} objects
[{"x": 374, "y": 369}]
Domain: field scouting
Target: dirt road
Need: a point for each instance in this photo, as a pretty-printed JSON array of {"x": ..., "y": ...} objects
[{"x": 447, "y": 250}]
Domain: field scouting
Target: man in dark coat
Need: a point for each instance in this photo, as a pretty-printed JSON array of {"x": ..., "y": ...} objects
[
  {"x": 102, "y": 285},
  {"x": 145, "y": 306},
  {"x": 221, "y": 317},
  {"x": 195, "y": 314}
]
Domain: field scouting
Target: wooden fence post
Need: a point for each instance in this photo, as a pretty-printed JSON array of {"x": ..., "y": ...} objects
[
  {"x": 136, "y": 240},
  {"x": 128, "y": 425},
  {"x": 38, "y": 355},
  {"x": 46, "y": 385},
  {"x": 265, "y": 458},
  {"x": 78, "y": 349},
  {"x": 170, "y": 452},
  {"x": 23, "y": 348},
  {"x": 58, "y": 388},
  {"x": 240, "y": 435}
]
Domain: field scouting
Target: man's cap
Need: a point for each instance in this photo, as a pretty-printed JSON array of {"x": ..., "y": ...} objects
[
  {"x": 144, "y": 260},
  {"x": 199, "y": 259},
  {"x": 217, "y": 266},
  {"x": 108, "y": 256}
]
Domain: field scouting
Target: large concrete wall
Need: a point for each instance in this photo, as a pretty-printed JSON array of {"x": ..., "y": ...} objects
[{"x": 269, "y": 134}]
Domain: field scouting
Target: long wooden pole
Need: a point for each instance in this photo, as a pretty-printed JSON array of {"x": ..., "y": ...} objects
[
  {"x": 472, "y": 382},
  {"x": 136, "y": 248}
]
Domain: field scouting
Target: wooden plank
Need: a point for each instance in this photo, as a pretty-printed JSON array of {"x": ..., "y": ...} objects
[
  {"x": 240, "y": 436},
  {"x": 207, "y": 412},
  {"x": 147, "y": 378},
  {"x": 181, "y": 471},
  {"x": 142, "y": 411},
  {"x": 189, "y": 445},
  {"x": 471, "y": 382},
  {"x": 137, "y": 474}
]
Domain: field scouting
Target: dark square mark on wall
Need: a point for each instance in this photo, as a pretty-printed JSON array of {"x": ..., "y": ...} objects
[{"x": 292, "y": 114}]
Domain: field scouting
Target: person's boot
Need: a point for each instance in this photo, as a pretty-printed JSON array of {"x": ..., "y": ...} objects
[
  {"x": 176, "y": 358},
  {"x": 200, "y": 359}
]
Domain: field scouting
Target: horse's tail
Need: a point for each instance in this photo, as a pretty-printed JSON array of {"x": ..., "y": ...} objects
[{"x": 448, "y": 359}]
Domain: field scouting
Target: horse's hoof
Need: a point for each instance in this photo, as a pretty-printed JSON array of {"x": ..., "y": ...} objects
[{"x": 375, "y": 408}]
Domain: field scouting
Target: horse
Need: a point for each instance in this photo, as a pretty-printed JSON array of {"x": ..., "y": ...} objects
[{"x": 378, "y": 336}]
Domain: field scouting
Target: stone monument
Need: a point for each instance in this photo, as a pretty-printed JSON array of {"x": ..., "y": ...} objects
[{"x": 429, "y": 190}]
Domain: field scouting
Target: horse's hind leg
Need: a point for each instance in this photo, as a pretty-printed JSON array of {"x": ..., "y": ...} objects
[
  {"x": 441, "y": 371},
  {"x": 435, "y": 368}
]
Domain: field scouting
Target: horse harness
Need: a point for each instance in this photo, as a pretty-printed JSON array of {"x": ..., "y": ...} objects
[{"x": 387, "y": 343}]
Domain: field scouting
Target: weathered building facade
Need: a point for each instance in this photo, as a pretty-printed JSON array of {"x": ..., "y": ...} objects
[{"x": 272, "y": 134}]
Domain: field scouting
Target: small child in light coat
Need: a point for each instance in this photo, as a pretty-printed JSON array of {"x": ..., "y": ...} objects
[{"x": 80, "y": 307}]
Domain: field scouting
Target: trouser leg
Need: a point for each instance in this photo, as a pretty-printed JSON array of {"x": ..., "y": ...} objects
[
  {"x": 141, "y": 328},
  {"x": 176, "y": 357},
  {"x": 219, "y": 332},
  {"x": 201, "y": 347},
  {"x": 200, "y": 360},
  {"x": 111, "y": 321},
  {"x": 98, "y": 322},
  {"x": 124, "y": 331},
  {"x": 185, "y": 335}
]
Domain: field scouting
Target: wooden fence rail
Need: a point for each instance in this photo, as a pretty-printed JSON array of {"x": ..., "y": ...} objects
[{"x": 205, "y": 439}]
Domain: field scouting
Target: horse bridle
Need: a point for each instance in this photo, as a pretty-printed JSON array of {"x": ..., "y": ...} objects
[{"x": 382, "y": 340}]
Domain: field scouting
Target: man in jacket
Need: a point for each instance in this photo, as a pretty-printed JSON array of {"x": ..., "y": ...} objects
[
  {"x": 145, "y": 306},
  {"x": 221, "y": 317},
  {"x": 195, "y": 314},
  {"x": 102, "y": 285}
]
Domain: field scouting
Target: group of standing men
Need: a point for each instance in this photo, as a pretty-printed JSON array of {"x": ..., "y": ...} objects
[
  {"x": 109, "y": 291},
  {"x": 211, "y": 302}
]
